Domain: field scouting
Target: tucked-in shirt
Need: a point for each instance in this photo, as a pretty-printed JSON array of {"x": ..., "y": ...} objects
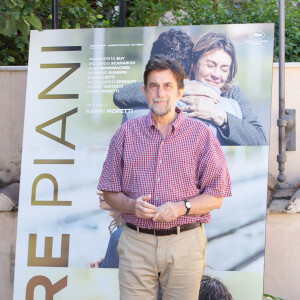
[{"x": 187, "y": 163}]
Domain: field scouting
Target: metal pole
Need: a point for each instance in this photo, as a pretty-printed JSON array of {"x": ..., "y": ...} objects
[
  {"x": 55, "y": 22},
  {"x": 122, "y": 13},
  {"x": 281, "y": 122}
]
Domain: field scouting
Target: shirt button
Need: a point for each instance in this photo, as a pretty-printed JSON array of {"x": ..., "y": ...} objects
[
  {"x": 162, "y": 143},
  {"x": 160, "y": 161},
  {"x": 156, "y": 198},
  {"x": 158, "y": 179}
]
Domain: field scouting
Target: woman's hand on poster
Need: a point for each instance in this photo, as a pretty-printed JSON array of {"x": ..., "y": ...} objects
[
  {"x": 102, "y": 204},
  {"x": 95, "y": 264},
  {"x": 203, "y": 108},
  {"x": 196, "y": 89}
]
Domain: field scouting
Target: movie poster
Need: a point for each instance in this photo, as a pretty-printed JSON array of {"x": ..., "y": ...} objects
[{"x": 82, "y": 84}]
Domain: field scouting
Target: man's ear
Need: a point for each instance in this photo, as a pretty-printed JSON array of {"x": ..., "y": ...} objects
[
  {"x": 144, "y": 91},
  {"x": 180, "y": 93}
]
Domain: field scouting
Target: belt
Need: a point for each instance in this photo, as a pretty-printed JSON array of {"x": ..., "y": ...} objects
[{"x": 162, "y": 232}]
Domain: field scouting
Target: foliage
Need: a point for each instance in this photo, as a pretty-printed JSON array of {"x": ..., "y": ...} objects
[
  {"x": 17, "y": 17},
  {"x": 272, "y": 297},
  {"x": 148, "y": 12},
  {"x": 247, "y": 11}
]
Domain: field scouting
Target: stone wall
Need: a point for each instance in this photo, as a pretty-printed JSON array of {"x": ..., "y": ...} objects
[
  {"x": 282, "y": 262},
  {"x": 12, "y": 107},
  {"x": 8, "y": 231},
  {"x": 12, "y": 103}
]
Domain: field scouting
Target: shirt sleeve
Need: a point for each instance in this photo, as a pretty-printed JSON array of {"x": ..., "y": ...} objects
[
  {"x": 213, "y": 176},
  {"x": 111, "y": 175}
]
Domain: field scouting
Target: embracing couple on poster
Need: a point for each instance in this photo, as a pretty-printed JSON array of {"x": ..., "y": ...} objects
[{"x": 209, "y": 93}]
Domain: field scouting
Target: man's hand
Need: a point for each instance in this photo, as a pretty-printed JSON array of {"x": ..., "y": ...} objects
[
  {"x": 203, "y": 108},
  {"x": 196, "y": 89},
  {"x": 169, "y": 211},
  {"x": 143, "y": 209}
]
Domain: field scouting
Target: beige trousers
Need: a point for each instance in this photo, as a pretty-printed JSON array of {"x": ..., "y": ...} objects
[{"x": 175, "y": 262}]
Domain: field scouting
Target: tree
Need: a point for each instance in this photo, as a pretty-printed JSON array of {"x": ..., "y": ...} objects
[
  {"x": 17, "y": 17},
  {"x": 247, "y": 11}
]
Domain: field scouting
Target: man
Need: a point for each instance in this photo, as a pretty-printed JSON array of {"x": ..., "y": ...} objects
[{"x": 165, "y": 173}]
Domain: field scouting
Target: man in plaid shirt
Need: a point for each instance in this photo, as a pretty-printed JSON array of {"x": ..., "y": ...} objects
[{"x": 164, "y": 172}]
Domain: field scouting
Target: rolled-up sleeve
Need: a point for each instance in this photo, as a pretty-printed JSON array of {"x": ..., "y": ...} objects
[{"x": 214, "y": 178}]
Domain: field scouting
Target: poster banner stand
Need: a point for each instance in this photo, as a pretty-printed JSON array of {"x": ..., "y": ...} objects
[{"x": 82, "y": 84}]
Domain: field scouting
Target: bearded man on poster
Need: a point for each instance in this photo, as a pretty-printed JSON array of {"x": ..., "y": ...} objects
[{"x": 164, "y": 172}]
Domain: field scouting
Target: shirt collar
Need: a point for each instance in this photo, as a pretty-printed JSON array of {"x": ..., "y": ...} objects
[{"x": 175, "y": 124}]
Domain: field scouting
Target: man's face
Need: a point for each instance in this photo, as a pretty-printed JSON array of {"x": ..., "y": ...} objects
[
  {"x": 213, "y": 68},
  {"x": 162, "y": 92}
]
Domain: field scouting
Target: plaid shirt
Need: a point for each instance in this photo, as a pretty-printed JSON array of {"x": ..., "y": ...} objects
[{"x": 187, "y": 163}]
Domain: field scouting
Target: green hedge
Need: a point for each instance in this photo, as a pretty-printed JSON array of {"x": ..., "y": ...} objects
[
  {"x": 248, "y": 11},
  {"x": 17, "y": 17}
]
